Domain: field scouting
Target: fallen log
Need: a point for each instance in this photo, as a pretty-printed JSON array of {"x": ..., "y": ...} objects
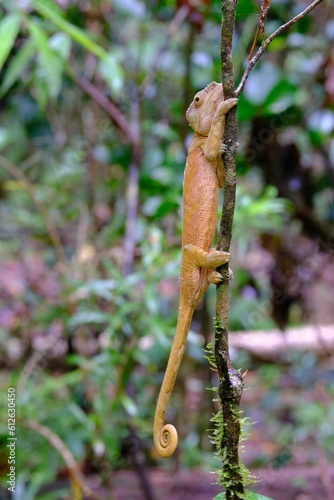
[{"x": 272, "y": 344}]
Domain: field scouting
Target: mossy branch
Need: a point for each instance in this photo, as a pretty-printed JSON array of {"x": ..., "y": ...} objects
[{"x": 233, "y": 475}]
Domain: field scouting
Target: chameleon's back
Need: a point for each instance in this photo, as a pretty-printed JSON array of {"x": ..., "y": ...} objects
[{"x": 200, "y": 198}]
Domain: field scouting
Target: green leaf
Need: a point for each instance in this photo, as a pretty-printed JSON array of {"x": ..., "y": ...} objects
[
  {"x": 51, "y": 384},
  {"x": 50, "y": 61},
  {"x": 129, "y": 405},
  {"x": 112, "y": 73},
  {"x": 87, "y": 317},
  {"x": 9, "y": 28},
  {"x": 261, "y": 82},
  {"x": 100, "y": 288},
  {"x": 16, "y": 66},
  {"x": 61, "y": 43},
  {"x": 283, "y": 90},
  {"x": 41, "y": 91},
  {"x": 245, "y": 9},
  {"x": 246, "y": 110},
  {"x": 46, "y": 10},
  {"x": 249, "y": 496}
]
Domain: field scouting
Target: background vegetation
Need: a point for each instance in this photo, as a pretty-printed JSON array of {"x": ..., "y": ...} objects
[{"x": 92, "y": 150}]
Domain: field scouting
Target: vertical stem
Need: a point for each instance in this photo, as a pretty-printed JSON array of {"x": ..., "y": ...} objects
[
  {"x": 133, "y": 190},
  {"x": 230, "y": 381}
]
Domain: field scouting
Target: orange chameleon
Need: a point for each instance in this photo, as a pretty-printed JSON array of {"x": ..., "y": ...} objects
[{"x": 204, "y": 175}]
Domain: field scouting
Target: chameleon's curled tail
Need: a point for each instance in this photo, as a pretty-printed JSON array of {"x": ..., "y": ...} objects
[{"x": 165, "y": 436}]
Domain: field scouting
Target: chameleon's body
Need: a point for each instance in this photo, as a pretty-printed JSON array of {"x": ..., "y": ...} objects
[{"x": 204, "y": 175}]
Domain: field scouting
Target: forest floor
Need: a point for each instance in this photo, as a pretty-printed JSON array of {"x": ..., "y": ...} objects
[
  {"x": 298, "y": 471},
  {"x": 287, "y": 483}
]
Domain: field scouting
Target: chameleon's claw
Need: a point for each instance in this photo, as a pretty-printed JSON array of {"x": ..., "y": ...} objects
[
  {"x": 214, "y": 277},
  {"x": 222, "y": 148}
]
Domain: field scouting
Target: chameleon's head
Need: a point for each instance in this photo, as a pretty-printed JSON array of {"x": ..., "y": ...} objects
[{"x": 201, "y": 111}]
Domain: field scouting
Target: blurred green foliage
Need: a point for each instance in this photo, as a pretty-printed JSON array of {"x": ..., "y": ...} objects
[{"x": 84, "y": 344}]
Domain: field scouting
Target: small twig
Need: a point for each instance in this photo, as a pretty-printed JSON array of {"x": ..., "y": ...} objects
[
  {"x": 15, "y": 172},
  {"x": 55, "y": 441},
  {"x": 270, "y": 38},
  {"x": 131, "y": 218},
  {"x": 131, "y": 132},
  {"x": 265, "y": 6},
  {"x": 133, "y": 190},
  {"x": 117, "y": 117}
]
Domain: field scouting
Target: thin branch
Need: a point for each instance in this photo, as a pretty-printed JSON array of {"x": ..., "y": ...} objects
[
  {"x": 15, "y": 172},
  {"x": 131, "y": 132},
  {"x": 133, "y": 190},
  {"x": 55, "y": 441},
  {"x": 117, "y": 117},
  {"x": 265, "y": 6},
  {"x": 270, "y": 38}
]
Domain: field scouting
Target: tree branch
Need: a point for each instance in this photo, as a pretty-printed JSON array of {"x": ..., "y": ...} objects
[
  {"x": 110, "y": 108},
  {"x": 232, "y": 476},
  {"x": 270, "y": 38},
  {"x": 131, "y": 132},
  {"x": 75, "y": 473}
]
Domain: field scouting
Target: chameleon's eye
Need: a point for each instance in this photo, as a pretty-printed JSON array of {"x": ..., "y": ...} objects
[{"x": 198, "y": 99}]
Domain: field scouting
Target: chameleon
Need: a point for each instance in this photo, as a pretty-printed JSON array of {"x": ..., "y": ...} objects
[{"x": 203, "y": 176}]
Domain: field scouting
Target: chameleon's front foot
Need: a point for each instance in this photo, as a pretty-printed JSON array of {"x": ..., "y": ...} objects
[
  {"x": 222, "y": 148},
  {"x": 226, "y": 105}
]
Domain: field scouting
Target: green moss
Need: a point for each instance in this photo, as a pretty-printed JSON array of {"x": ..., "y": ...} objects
[
  {"x": 228, "y": 473},
  {"x": 249, "y": 496}
]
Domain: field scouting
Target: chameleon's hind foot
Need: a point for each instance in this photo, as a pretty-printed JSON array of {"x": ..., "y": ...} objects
[
  {"x": 215, "y": 277},
  {"x": 210, "y": 260}
]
